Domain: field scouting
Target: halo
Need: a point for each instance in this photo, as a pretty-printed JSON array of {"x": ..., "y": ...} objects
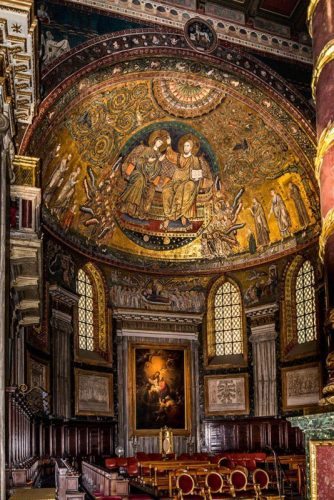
[
  {"x": 158, "y": 134},
  {"x": 189, "y": 137}
]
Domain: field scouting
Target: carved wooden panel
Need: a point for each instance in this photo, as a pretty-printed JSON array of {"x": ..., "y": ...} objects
[{"x": 252, "y": 434}]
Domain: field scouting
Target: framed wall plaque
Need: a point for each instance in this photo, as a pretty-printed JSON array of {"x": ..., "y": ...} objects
[
  {"x": 93, "y": 393},
  {"x": 226, "y": 394},
  {"x": 301, "y": 386}
]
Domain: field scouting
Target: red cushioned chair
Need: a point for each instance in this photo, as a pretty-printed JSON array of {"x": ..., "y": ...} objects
[
  {"x": 133, "y": 469},
  {"x": 261, "y": 478},
  {"x": 122, "y": 462},
  {"x": 109, "y": 497},
  {"x": 111, "y": 463},
  {"x": 239, "y": 480},
  {"x": 185, "y": 486},
  {"x": 216, "y": 486},
  {"x": 225, "y": 462}
]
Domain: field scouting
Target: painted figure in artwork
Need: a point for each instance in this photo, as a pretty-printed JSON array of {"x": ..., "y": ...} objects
[
  {"x": 295, "y": 195},
  {"x": 57, "y": 178},
  {"x": 261, "y": 224},
  {"x": 180, "y": 191},
  {"x": 143, "y": 168},
  {"x": 281, "y": 214},
  {"x": 53, "y": 49},
  {"x": 66, "y": 193}
]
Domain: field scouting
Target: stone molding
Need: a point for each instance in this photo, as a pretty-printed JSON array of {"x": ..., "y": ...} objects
[
  {"x": 19, "y": 50},
  {"x": 176, "y": 16},
  {"x": 62, "y": 295},
  {"x": 263, "y": 333},
  {"x": 262, "y": 315},
  {"x": 166, "y": 317}
]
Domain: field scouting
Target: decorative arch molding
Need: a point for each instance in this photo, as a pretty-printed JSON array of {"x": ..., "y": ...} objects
[
  {"x": 112, "y": 49},
  {"x": 101, "y": 313},
  {"x": 290, "y": 348},
  {"x": 212, "y": 360},
  {"x": 167, "y": 56}
]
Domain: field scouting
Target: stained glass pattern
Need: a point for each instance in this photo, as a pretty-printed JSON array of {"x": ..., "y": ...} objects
[
  {"x": 85, "y": 312},
  {"x": 228, "y": 320},
  {"x": 305, "y": 304}
]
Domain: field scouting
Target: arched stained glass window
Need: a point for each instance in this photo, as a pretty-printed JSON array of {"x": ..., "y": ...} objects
[
  {"x": 228, "y": 320},
  {"x": 85, "y": 311},
  {"x": 305, "y": 304}
]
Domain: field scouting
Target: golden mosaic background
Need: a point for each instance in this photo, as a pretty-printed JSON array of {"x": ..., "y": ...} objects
[{"x": 98, "y": 144}]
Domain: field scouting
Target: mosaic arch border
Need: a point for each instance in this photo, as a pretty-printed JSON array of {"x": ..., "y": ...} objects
[{"x": 256, "y": 74}]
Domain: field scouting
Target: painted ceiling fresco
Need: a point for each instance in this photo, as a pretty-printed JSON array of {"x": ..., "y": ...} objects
[
  {"x": 63, "y": 28},
  {"x": 181, "y": 166}
]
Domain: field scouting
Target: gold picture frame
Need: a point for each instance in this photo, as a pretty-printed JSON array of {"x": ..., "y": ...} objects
[
  {"x": 93, "y": 393},
  {"x": 310, "y": 381},
  {"x": 314, "y": 447},
  {"x": 226, "y": 394},
  {"x": 159, "y": 381}
]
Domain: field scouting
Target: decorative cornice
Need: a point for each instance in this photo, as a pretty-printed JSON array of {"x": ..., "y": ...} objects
[
  {"x": 157, "y": 316},
  {"x": 163, "y": 331},
  {"x": 326, "y": 56},
  {"x": 19, "y": 52},
  {"x": 63, "y": 295},
  {"x": 326, "y": 232},
  {"x": 176, "y": 16},
  {"x": 326, "y": 141},
  {"x": 266, "y": 310},
  {"x": 310, "y": 13}
]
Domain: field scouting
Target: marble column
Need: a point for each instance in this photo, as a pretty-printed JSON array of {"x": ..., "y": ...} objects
[
  {"x": 62, "y": 329},
  {"x": 4, "y": 126},
  {"x": 321, "y": 27},
  {"x": 263, "y": 340}
]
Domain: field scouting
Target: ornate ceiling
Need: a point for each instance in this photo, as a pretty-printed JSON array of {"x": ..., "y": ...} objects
[{"x": 163, "y": 162}]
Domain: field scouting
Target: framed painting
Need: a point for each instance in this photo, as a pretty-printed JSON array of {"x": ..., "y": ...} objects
[
  {"x": 321, "y": 469},
  {"x": 160, "y": 388},
  {"x": 38, "y": 373},
  {"x": 301, "y": 386},
  {"x": 93, "y": 393},
  {"x": 226, "y": 394}
]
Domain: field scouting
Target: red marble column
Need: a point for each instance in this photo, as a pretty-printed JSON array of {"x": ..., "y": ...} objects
[{"x": 321, "y": 24}]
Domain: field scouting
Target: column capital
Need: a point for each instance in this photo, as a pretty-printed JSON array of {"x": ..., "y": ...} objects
[
  {"x": 263, "y": 333},
  {"x": 62, "y": 295},
  {"x": 263, "y": 314}
]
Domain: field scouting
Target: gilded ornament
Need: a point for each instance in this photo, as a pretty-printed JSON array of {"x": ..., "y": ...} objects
[
  {"x": 326, "y": 232},
  {"x": 330, "y": 321},
  {"x": 330, "y": 360},
  {"x": 310, "y": 12},
  {"x": 101, "y": 306},
  {"x": 326, "y": 56},
  {"x": 325, "y": 142},
  {"x": 186, "y": 98},
  {"x": 26, "y": 170}
]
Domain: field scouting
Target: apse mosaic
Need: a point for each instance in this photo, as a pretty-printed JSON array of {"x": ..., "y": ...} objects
[{"x": 175, "y": 168}]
